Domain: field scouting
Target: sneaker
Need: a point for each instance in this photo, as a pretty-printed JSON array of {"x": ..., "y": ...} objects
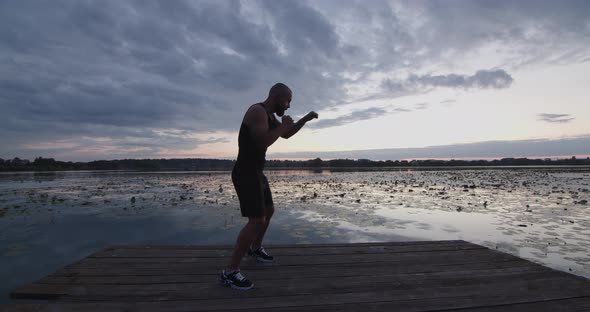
[
  {"x": 260, "y": 255},
  {"x": 235, "y": 280}
]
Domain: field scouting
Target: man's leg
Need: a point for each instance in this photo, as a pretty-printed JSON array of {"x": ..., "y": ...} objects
[
  {"x": 268, "y": 212},
  {"x": 247, "y": 236}
]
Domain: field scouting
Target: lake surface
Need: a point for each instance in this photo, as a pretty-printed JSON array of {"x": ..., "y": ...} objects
[{"x": 52, "y": 219}]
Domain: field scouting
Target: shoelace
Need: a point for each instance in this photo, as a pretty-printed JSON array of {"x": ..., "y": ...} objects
[
  {"x": 239, "y": 276},
  {"x": 262, "y": 251}
]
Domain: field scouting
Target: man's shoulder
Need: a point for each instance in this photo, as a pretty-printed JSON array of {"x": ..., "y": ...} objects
[
  {"x": 255, "y": 108},
  {"x": 255, "y": 112}
]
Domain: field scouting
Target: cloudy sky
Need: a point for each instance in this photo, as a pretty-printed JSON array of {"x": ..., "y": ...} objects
[{"x": 85, "y": 80}]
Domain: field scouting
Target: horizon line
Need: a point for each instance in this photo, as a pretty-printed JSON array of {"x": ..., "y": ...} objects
[{"x": 553, "y": 157}]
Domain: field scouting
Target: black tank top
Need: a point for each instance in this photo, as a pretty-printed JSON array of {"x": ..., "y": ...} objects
[{"x": 252, "y": 156}]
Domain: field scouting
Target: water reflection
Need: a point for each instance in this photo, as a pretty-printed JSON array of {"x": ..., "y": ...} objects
[
  {"x": 45, "y": 176},
  {"x": 299, "y": 173}
]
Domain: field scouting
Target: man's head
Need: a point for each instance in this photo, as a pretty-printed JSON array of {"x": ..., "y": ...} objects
[{"x": 280, "y": 96}]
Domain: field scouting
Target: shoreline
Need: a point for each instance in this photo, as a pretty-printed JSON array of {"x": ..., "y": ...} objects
[{"x": 334, "y": 169}]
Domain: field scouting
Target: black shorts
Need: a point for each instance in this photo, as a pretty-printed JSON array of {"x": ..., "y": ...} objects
[{"x": 253, "y": 192}]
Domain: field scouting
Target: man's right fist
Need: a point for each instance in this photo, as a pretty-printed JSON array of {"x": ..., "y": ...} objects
[{"x": 312, "y": 115}]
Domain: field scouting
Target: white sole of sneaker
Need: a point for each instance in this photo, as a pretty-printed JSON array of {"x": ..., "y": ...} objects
[{"x": 233, "y": 286}]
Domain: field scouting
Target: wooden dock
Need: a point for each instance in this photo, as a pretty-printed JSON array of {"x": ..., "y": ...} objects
[{"x": 398, "y": 276}]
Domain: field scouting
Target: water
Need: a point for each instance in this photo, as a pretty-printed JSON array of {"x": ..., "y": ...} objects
[{"x": 49, "y": 220}]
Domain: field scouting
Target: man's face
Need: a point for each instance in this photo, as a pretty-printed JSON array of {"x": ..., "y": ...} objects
[{"x": 282, "y": 104}]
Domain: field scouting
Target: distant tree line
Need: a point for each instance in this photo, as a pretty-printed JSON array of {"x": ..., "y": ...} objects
[
  {"x": 352, "y": 163},
  {"x": 50, "y": 164},
  {"x": 196, "y": 164}
]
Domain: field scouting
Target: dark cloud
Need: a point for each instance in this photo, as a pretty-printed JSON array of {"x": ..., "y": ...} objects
[
  {"x": 534, "y": 31},
  {"x": 113, "y": 68},
  {"x": 314, "y": 32},
  {"x": 556, "y": 118}
]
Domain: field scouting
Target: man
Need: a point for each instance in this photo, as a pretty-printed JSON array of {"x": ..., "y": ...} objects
[{"x": 259, "y": 130}]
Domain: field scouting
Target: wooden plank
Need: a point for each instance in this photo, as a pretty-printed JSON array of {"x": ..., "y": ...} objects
[
  {"x": 179, "y": 269},
  {"x": 75, "y": 307},
  {"x": 213, "y": 253},
  {"x": 333, "y": 272},
  {"x": 443, "y": 297},
  {"x": 579, "y": 304},
  {"x": 248, "y": 266},
  {"x": 23, "y": 307},
  {"x": 513, "y": 302},
  {"x": 293, "y": 286},
  {"x": 151, "y": 252},
  {"x": 345, "y": 245},
  {"x": 383, "y": 294},
  {"x": 438, "y": 256}
]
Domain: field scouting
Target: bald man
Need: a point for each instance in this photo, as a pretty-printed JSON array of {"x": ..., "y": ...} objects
[{"x": 259, "y": 130}]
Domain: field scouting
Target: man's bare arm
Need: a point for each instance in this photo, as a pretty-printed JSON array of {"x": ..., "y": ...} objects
[
  {"x": 257, "y": 120},
  {"x": 299, "y": 124}
]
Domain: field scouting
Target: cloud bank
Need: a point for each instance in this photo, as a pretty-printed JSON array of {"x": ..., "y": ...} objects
[
  {"x": 126, "y": 71},
  {"x": 491, "y": 149}
]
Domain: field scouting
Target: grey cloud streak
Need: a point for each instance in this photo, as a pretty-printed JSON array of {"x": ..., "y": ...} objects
[
  {"x": 364, "y": 114},
  {"x": 485, "y": 79},
  {"x": 556, "y": 118}
]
